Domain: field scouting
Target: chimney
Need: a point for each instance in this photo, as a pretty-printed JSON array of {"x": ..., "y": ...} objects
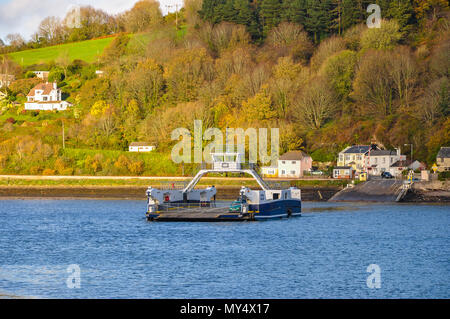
[
  {"x": 55, "y": 85},
  {"x": 399, "y": 151}
]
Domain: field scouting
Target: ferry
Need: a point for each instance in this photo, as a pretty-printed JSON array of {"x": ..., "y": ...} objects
[{"x": 189, "y": 204}]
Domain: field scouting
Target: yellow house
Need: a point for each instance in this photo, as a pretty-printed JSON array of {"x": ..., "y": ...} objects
[
  {"x": 269, "y": 171},
  {"x": 354, "y": 157}
]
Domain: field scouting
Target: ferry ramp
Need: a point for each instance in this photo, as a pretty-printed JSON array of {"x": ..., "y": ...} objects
[{"x": 372, "y": 191}]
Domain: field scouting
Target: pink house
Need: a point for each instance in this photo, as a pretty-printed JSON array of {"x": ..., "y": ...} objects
[{"x": 294, "y": 164}]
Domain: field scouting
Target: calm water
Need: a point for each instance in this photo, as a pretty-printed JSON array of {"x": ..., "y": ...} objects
[{"x": 324, "y": 254}]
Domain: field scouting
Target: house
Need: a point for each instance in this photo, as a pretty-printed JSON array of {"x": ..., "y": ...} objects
[
  {"x": 46, "y": 97},
  {"x": 443, "y": 159},
  {"x": 294, "y": 164},
  {"x": 6, "y": 80},
  {"x": 380, "y": 161},
  {"x": 43, "y": 75},
  {"x": 344, "y": 172},
  {"x": 141, "y": 147},
  {"x": 269, "y": 171},
  {"x": 99, "y": 73},
  {"x": 354, "y": 156},
  {"x": 398, "y": 167}
]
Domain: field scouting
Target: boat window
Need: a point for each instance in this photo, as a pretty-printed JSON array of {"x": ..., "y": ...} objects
[{"x": 276, "y": 196}]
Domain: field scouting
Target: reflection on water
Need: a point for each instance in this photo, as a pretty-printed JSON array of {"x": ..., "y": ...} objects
[{"x": 121, "y": 255}]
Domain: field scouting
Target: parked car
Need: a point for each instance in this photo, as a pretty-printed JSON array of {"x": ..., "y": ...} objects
[
  {"x": 387, "y": 175},
  {"x": 317, "y": 173}
]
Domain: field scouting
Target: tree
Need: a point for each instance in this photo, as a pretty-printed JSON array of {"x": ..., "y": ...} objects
[
  {"x": 15, "y": 40},
  {"x": 435, "y": 103},
  {"x": 319, "y": 18},
  {"x": 270, "y": 13},
  {"x": 374, "y": 87},
  {"x": 430, "y": 8},
  {"x": 145, "y": 84},
  {"x": 294, "y": 11},
  {"x": 143, "y": 15},
  {"x": 404, "y": 74},
  {"x": 50, "y": 30},
  {"x": 284, "y": 86},
  {"x": 403, "y": 12},
  {"x": 386, "y": 37},
  {"x": 187, "y": 72},
  {"x": 116, "y": 49},
  {"x": 316, "y": 104},
  {"x": 259, "y": 107},
  {"x": 340, "y": 71}
]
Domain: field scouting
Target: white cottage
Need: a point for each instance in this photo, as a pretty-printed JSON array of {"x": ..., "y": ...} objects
[
  {"x": 46, "y": 97},
  {"x": 141, "y": 147}
]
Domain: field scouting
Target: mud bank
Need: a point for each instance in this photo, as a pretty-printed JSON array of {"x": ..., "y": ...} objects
[
  {"x": 429, "y": 192},
  {"x": 131, "y": 192}
]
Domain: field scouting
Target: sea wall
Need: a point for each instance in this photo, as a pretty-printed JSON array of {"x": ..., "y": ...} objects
[{"x": 132, "y": 192}]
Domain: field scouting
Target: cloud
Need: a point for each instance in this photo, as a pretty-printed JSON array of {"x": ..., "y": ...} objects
[{"x": 24, "y": 16}]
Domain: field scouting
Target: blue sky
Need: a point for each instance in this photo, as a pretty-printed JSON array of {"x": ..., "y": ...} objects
[{"x": 24, "y": 16}]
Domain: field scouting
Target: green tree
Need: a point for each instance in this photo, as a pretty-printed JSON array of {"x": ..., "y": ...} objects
[{"x": 270, "y": 14}]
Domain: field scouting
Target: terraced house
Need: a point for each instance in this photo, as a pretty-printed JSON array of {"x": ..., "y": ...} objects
[
  {"x": 380, "y": 161},
  {"x": 354, "y": 157}
]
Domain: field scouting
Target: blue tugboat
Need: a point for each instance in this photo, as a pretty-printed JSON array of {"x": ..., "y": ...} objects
[{"x": 190, "y": 204}]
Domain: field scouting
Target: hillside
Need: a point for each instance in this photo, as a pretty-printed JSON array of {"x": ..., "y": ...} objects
[{"x": 324, "y": 91}]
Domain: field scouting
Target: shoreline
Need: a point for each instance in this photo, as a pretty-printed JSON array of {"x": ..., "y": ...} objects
[
  {"x": 431, "y": 192},
  {"x": 46, "y": 192}
]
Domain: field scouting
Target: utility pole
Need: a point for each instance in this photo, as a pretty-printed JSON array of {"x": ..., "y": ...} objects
[
  {"x": 170, "y": 6},
  {"x": 63, "y": 137},
  {"x": 412, "y": 151}
]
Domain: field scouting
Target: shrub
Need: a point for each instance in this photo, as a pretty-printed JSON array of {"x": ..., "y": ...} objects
[
  {"x": 444, "y": 176},
  {"x": 48, "y": 172}
]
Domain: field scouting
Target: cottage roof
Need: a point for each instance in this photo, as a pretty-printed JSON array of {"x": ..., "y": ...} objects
[
  {"x": 383, "y": 153},
  {"x": 357, "y": 149},
  {"x": 402, "y": 163},
  {"x": 46, "y": 87},
  {"x": 293, "y": 156},
  {"x": 444, "y": 152}
]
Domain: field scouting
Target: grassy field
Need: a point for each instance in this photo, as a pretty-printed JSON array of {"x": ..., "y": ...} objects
[{"x": 86, "y": 50}]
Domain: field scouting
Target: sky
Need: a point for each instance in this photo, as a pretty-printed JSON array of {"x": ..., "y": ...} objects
[{"x": 24, "y": 16}]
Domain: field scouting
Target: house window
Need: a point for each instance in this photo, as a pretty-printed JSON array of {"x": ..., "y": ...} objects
[
  {"x": 283, "y": 172},
  {"x": 341, "y": 158},
  {"x": 293, "y": 172},
  {"x": 376, "y": 160},
  {"x": 347, "y": 158},
  {"x": 283, "y": 162},
  {"x": 294, "y": 162},
  {"x": 45, "y": 98},
  {"x": 384, "y": 160}
]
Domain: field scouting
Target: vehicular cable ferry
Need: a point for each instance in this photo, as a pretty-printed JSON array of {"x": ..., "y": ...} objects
[{"x": 190, "y": 204}]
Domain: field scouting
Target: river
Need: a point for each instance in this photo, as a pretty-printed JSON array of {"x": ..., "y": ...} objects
[{"x": 324, "y": 254}]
